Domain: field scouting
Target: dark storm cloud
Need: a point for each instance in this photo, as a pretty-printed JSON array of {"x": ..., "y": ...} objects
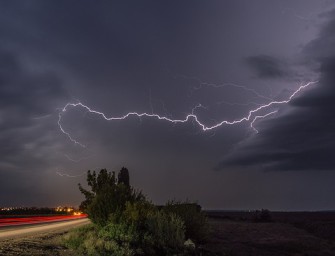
[
  {"x": 148, "y": 56},
  {"x": 121, "y": 48},
  {"x": 303, "y": 139},
  {"x": 24, "y": 97},
  {"x": 26, "y": 92},
  {"x": 323, "y": 46},
  {"x": 267, "y": 66}
]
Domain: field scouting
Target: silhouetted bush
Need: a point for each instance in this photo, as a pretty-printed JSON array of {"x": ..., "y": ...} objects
[
  {"x": 108, "y": 195},
  {"x": 262, "y": 215},
  {"x": 161, "y": 233},
  {"x": 164, "y": 235},
  {"x": 125, "y": 223},
  {"x": 144, "y": 230},
  {"x": 196, "y": 227},
  {"x": 137, "y": 213}
]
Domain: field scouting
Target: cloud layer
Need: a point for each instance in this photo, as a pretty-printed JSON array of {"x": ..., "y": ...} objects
[{"x": 303, "y": 137}]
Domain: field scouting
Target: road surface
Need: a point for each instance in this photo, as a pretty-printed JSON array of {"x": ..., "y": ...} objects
[
  {"x": 15, "y": 221},
  {"x": 20, "y": 227}
]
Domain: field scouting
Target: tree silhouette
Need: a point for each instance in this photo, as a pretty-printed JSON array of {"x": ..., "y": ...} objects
[
  {"x": 123, "y": 177},
  {"x": 107, "y": 195},
  {"x": 97, "y": 184}
]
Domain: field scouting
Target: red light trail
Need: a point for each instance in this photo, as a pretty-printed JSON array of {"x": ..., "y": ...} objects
[{"x": 7, "y": 222}]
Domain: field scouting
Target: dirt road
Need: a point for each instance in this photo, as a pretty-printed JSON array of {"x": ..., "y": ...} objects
[{"x": 41, "y": 239}]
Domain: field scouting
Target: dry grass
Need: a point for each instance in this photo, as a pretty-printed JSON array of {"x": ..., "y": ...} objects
[
  {"x": 47, "y": 244},
  {"x": 240, "y": 238}
]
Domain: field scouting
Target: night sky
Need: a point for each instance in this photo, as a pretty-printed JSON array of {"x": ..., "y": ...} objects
[{"x": 214, "y": 59}]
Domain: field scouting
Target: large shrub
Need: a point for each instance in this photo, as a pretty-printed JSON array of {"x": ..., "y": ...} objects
[
  {"x": 136, "y": 213},
  {"x": 161, "y": 233},
  {"x": 196, "y": 227},
  {"x": 262, "y": 215},
  {"x": 108, "y": 195},
  {"x": 151, "y": 232},
  {"x": 113, "y": 239},
  {"x": 125, "y": 223},
  {"x": 77, "y": 239},
  {"x": 165, "y": 233}
]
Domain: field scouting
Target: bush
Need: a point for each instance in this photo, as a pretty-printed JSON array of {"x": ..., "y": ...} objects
[
  {"x": 142, "y": 230},
  {"x": 125, "y": 223},
  {"x": 161, "y": 233},
  {"x": 76, "y": 238},
  {"x": 113, "y": 239},
  {"x": 165, "y": 233},
  {"x": 119, "y": 238},
  {"x": 108, "y": 195},
  {"x": 196, "y": 227},
  {"x": 137, "y": 213},
  {"x": 262, "y": 216}
]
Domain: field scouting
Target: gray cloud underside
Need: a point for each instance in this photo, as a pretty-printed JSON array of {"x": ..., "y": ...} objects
[
  {"x": 266, "y": 66},
  {"x": 303, "y": 139},
  {"x": 121, "y": 56}
]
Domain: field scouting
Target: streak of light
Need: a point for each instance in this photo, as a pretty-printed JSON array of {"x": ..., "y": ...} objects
[
  {"x": 188, "y": 117},
  {"x": 260, "y": 117},
  {"x": 62, "y": 174}
]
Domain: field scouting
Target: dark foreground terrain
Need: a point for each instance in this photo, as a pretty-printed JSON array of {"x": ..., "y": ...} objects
[
  {"x": 43, "y": 244},
  {"x": 232, "y": 234},
  {"x": 291, "y": 233}
]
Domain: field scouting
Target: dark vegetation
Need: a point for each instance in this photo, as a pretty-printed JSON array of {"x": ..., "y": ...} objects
[
  {"x": 124, "y": 222},
  {"x": 262, "y": 215},
  {"x": 231, "y": 233}
]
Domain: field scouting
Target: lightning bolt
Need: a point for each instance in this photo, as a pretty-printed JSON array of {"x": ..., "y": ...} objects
[
  {"x": 238, "y": 104},
  {"x": 248, "y": 118},
  {"x": 69, "y": 176},
  {"x": 76, "y": 160},
  {"x": 260, "y": 117},
  {"x": 41, "y": 117},
  {"x": 63, "y": 131},
  {"x": 202, "y": 84}
]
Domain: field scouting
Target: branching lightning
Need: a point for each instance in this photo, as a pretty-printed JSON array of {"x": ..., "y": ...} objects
[
  {"x": 76, "y": 160},
  {"x": 238, "y": 104},
  {"x": 250, "y": 117},
  {"x": 202, "y": 84},
  {"x": 41, "y": 117},
  {"x": 70, "y": 176},
  {"x": 260, "y": 117},
  {"x": 63, "y": 131}
]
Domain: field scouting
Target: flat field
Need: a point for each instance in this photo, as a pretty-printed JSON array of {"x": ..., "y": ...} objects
[{"x": 288, "y": 233}]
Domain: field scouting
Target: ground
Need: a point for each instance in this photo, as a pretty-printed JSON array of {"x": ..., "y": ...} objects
[
  {"x": 264, "y": 239},
  {"x": 288, "y": 234},
  {"x": 230, "y": 235},
  {"x": 43, "y": 244}
]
